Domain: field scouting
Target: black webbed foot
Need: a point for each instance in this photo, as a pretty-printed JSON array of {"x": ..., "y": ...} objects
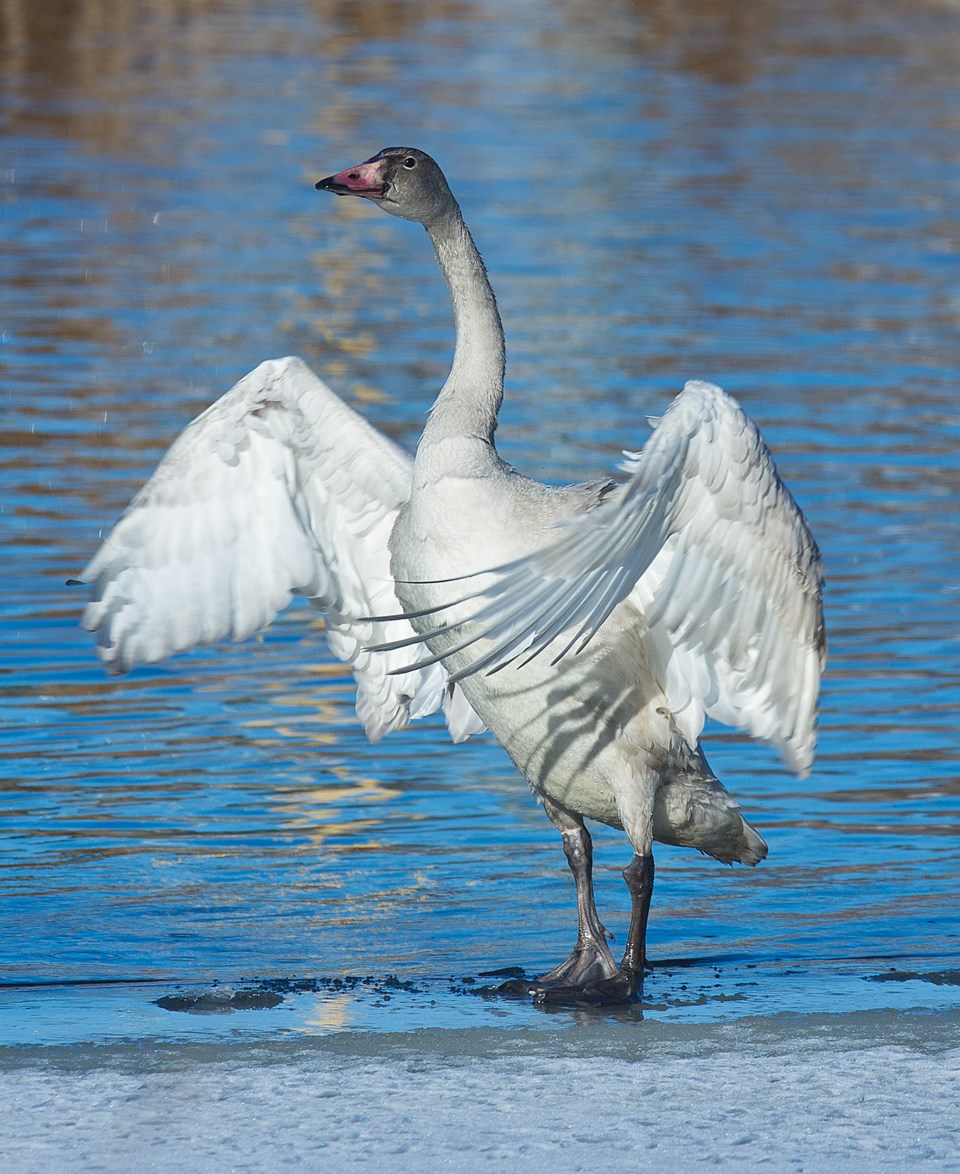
[
  {"x": 517, "y": 988},
  {"x": 621, "y": 988},
  {"x": 588, "y": 964}
]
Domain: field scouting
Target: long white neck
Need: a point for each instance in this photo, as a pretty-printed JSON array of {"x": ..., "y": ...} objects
[{"x": 468, "y": 403}]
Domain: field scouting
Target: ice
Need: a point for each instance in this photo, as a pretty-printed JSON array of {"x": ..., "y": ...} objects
[{"x": 848, "y": 1092}]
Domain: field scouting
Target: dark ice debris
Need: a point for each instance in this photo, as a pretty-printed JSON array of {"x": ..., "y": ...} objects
[
  {"x": 220, "y": 1000},
  {"x": 263, "y": 994},
  {"x": 936, "y": 977},
  {"x": 378, "y": 984}
]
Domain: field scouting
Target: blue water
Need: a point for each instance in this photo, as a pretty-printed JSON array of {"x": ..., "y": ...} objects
[{"x": 660, "y": 192}]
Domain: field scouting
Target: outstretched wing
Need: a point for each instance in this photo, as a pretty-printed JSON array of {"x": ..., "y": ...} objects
[
  {"x": 707, "y": 547},
  {"x": 277, "y": 489}
]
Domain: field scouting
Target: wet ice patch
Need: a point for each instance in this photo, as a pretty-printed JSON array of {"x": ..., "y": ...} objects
[
  {"x": 220, "y": 1000},
  {"x": 936, "y": 977}
]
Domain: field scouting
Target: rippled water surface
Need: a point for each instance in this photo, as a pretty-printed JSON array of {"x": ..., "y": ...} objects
[{"x": 761, "y": 194}]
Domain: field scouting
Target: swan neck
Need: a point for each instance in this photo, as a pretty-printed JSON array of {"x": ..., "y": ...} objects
[{"x": 471, "y": 397}]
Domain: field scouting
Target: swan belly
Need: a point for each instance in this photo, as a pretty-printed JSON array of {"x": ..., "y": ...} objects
[
  {"x": 582, "y": 732},
  {"x": 567, "y": 748}
]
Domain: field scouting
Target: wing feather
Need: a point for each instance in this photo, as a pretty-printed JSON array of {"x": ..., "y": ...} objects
[
  {"x": 279, "y": 488},
  {"x": 707, "y": 550}
]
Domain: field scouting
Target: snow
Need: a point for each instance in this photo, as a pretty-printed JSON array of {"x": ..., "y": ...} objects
[{"x": 850, "y": 1092}]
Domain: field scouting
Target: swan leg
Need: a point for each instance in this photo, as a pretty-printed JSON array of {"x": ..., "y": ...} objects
[
  {"x": 626, "y": 985},
  {"x": 591, "y": 959}
]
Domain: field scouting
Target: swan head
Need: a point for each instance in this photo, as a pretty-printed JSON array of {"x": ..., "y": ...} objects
[{"x": 402, "y": 180}]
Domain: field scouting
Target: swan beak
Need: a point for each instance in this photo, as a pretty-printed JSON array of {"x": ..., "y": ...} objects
[{"x": 366, "y": 179}]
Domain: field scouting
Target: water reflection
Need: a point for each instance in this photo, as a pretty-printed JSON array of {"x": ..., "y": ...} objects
[{"x": 761, "y": 194}]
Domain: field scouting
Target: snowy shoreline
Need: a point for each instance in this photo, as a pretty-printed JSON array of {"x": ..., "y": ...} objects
[{"x": 862, "y": 1089}]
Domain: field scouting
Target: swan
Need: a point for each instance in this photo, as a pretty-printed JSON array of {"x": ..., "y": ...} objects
[{"x": 590, "y": 627}]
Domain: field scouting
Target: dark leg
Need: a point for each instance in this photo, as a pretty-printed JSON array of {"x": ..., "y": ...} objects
[
  {"x": 639, "y": 877},
  {"x": 591, "y": 958},
  {"x": 627, "y": 983}
]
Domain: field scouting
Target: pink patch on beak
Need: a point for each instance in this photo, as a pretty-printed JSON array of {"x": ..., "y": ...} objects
[{"x": 364, "y": 179}]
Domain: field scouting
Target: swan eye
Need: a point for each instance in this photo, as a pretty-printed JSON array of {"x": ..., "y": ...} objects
[{"x": 409, "y": 162}]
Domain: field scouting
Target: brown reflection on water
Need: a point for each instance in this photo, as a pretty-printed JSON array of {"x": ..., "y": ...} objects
[
  {"x": 118, "y": 50},
  {"x": 121, "y": 50},
  {"x": 93, "y": 71},
  {"x": 108, "y": 49}
]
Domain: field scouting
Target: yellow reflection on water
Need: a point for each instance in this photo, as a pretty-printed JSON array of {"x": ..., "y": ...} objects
[{"x": 329, "y": 1013}]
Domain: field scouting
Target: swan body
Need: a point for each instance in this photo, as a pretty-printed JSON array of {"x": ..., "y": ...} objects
[{"x": 590, "y": 627}]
